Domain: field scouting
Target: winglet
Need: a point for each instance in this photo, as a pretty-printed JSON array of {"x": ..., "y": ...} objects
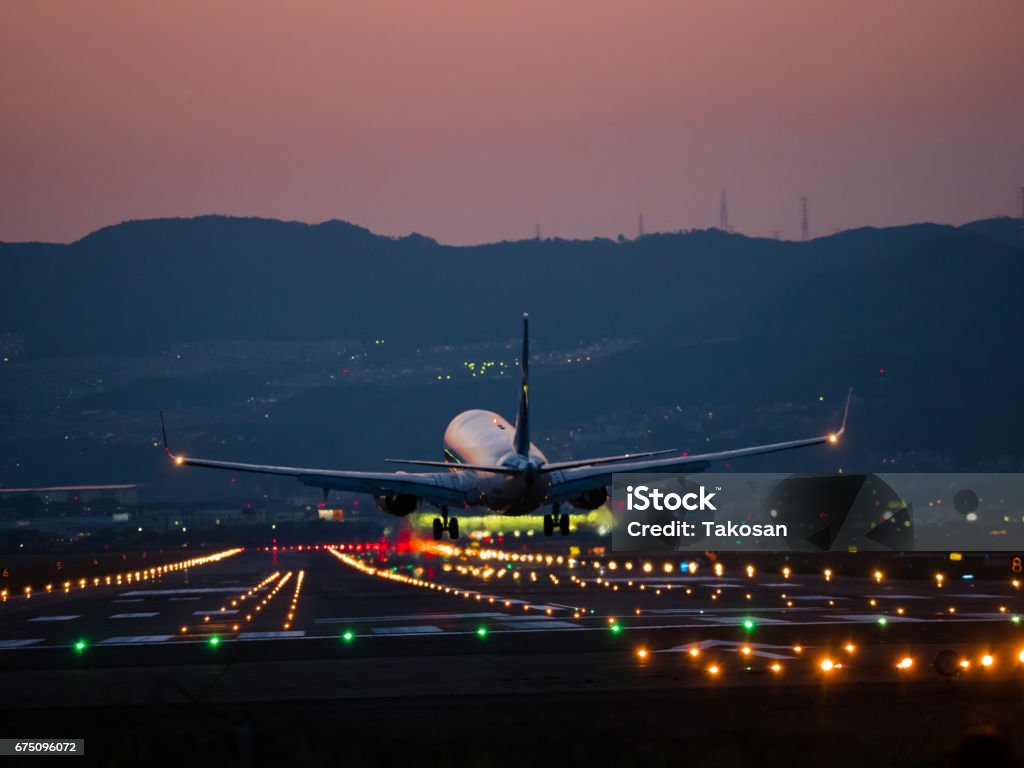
[
  {"x": 834, "y": 437},
  {"x": 163, "y": 429}
]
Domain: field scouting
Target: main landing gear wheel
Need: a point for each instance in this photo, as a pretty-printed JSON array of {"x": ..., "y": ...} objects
[
  {"x": 556, "y": 518},
  {"x": 445, "y": 523}
]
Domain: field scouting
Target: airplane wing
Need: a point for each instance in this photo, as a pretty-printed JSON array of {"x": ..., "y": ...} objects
[
  {"x": 569, "y": 484},
  {"x": 436, "y": 487}
]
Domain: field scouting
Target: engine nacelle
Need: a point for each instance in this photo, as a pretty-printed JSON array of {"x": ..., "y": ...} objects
[
  {"x": 399, "y": 504},
  {"x": 592, "y": 499}
]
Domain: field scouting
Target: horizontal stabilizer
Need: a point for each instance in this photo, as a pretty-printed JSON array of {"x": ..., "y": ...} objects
[
  {"x": 449, "y": 465},
  {"x": 557, "y": 465}
]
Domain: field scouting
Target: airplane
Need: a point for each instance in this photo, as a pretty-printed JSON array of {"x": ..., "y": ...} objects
[{"x": 490, "y": 463}]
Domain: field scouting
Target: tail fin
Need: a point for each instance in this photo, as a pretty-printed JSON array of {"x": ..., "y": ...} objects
[{"x": 522, "y": 436}]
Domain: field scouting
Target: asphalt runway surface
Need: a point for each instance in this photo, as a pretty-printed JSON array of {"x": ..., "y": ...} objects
[{"x": 515, "y": 653}]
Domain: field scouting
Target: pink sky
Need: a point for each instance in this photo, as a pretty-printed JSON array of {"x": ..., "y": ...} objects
[{"x": 470, "y": 120}]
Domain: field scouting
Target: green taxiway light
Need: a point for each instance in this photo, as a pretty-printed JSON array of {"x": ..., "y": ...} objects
[
  {"x": 481, "y": 632},
  {"x": 1015, "y": 619},
  {"x": 347, "y": 637},
  {"x": 615, "y": 628},
  {"x": 882, "y": 621},
  {"x": 80, "y": 646},
  {"x": 748, "y": 624},
  {"x": 214, "y": 641}
]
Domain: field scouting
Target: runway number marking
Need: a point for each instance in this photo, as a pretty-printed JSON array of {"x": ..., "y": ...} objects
[{"x": 763, "y": 650}]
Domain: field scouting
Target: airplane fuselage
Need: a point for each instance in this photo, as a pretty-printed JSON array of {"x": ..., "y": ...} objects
[{"x": 484, "y": 438}]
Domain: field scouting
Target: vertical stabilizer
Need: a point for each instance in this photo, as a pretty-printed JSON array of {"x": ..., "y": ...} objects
[{"x": 522, "y": 436}]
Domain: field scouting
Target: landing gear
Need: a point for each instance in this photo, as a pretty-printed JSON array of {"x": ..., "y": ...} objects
[
  {"x": 556, "y": 518},
  {"x": 445, "y": 523}
]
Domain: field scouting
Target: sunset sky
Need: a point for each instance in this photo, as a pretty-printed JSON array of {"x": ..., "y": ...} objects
[{"x": 470, "y": 120}]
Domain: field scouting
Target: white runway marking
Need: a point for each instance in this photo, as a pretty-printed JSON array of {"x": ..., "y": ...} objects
[
  {"x": 874, "y": 617},
  {"x": 542, "y": 624},
  {"x": 902, "y": 597},
  {"x": 740, "y": 619},
  {"x": 411, "y": 617},
  {"x": 135, "y": 639},
  {"x": 977, "y": 595},
  {"x": 130, "y": 600},
  {"x": 69, "y": 617},
  {"x": 147, "y": 615},
  {"x": 20, "y": 643},
  {"x": 180, "y": 599},
  {"x": 698, "y": 612},
  {"x": 271, "y": 635},
  {"x": 420, "y": 629},
  {"x": 214, "y": 613},
  {"x": 815, "y": 597},
  {"x": 196, "y": 591}
]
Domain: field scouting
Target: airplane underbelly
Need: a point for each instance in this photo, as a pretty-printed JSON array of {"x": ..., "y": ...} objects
[{"x": 513, "y": 496}]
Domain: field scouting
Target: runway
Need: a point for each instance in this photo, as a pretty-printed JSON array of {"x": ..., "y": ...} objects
[
  {"x": 434, "y": 597},
  {"x": 429, "y": 627}
]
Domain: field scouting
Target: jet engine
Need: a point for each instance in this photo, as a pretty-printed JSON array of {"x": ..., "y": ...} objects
[
  {"x": 591, "y": 499},
  {"x": 399, "y": 504}
]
